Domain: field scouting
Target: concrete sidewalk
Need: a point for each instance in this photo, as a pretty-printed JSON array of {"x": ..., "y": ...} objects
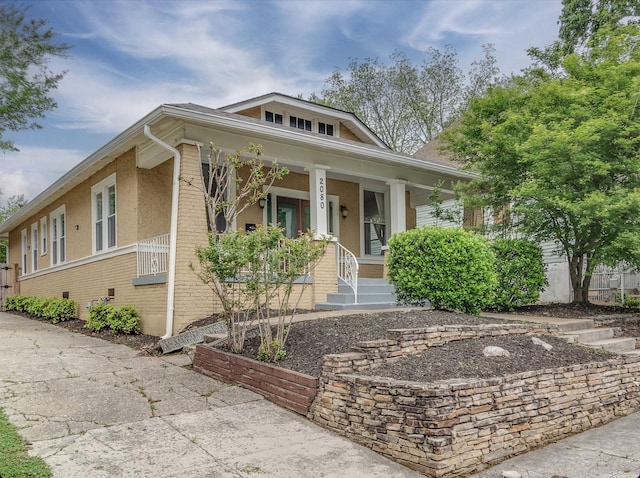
[{"x": 92, "y": 408}]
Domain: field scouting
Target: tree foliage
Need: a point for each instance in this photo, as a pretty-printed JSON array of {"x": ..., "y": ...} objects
[
  {"x": 564, "y": 151},
  {"x": 7, "y": 208},
  {"x": 26, "y": 82},
  {"x": 404, "y": 104}
]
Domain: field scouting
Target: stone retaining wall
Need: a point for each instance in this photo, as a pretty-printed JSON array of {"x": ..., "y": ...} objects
[{"x": 458, "y": 426}]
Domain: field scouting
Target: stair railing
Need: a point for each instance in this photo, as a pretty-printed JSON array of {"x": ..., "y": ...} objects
[{"x": 347, "y": 267}]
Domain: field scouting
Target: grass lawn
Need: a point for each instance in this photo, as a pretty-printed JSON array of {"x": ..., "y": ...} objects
[{"x": 14, "y": 460}]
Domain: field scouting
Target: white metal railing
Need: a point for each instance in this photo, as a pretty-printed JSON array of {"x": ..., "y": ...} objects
[
  {"x": 153, "y": 255},
  {"x": 347, "y": 266},
  {"x": 284, "y": 267}
]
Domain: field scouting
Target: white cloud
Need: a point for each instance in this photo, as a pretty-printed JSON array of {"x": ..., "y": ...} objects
[{"x": 31, "y": 170}]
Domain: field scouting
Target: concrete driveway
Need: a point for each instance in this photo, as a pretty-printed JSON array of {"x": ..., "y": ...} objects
[{"x": 92, "y": 408}]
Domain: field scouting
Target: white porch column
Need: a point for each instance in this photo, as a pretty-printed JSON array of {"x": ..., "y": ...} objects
[
  {"x": 318, "y": 199},
  {"x": 398, "y": 205}
]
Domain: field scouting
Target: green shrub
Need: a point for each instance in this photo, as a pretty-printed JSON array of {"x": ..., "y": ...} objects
[
  {"x": 123, "y": 320},
  {"x": 52, "y": 308},
  {"x": 60, "y": 310},
  {"x": 452, "y": 269},
  {"x": 521, "y": 273}
]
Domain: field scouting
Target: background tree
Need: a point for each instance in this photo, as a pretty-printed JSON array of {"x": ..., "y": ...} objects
[
  {"x": 408, "y": 105},
  {"x": 7, "y": 208},
  {"x": 564, "y": 151},
  {"x": 26, "y": 82}
]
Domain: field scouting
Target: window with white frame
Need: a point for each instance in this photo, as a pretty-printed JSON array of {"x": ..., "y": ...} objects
[
  {"x": 103, "y": 200},
  {"x": 24, "y": 251},
  {"x": 43, "y": 236},
  {"x": 58, "y": 236},
  {"x": 272, "y": 117},
  {"x": 374, "y": 221},
  {"x": 34, "y": 247}
]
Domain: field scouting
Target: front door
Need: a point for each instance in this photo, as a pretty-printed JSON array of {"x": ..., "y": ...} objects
[{"x": 294, "y": 215}]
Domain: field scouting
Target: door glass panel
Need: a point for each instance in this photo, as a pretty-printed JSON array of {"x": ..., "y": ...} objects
[{"x": 287, "y": 216}]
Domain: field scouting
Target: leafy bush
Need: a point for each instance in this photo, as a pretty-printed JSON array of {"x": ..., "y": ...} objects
[
  {"x": 52, "y": 308},
  {"x": 451, "y": 268},
  {"x": 120, "y": 320},
  {"x": 521, "y": 273}
]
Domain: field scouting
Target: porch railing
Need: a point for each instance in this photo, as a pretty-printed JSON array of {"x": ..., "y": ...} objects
[
  {"x": 347, "y": 266},
  {"x": 153, "y": 256}
]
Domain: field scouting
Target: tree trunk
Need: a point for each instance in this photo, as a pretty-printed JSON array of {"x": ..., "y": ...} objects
[{"x": 580, "y": 279}]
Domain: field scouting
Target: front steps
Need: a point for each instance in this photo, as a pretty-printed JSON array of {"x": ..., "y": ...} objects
[
  {"x": 372, "y": 294},
  {"x": 602, "y": 338}
]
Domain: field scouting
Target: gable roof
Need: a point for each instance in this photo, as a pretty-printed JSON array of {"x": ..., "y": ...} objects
[
  {"x": 429, "y": 152},
  {"x": 350, "y": 120}
]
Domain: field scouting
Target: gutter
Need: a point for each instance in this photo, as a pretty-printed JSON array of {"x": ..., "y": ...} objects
[{"x": 173, "y": 235}]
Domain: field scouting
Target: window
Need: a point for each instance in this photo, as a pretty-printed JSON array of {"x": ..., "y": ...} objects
[
  {"x": 374, "y": 222},
  {"x": 104, "y": 214},
  {"x": 43, "y": 236},
  {"x": 273, "y": 117},
  {"x": 58, "y": 236},
  {"x": 299, "y": 123},
  {"x": 34, "y": 247},
  {"x": 325, "y": 128},
  {"x": 24, "y": 251}
]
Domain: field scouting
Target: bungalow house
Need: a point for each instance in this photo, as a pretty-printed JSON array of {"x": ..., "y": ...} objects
[{"x": 122, "y": 227}]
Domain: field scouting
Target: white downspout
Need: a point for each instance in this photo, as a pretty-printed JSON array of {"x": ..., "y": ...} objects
[{"x": 173, "y": 236}]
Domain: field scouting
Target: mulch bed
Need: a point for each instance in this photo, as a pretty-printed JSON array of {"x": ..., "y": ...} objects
[{"x": 309, "y": 341}]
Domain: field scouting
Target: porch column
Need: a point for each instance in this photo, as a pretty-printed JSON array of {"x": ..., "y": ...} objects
[
  {"x": 318, "y": 199},
  {"x": 398, "y": 205}
]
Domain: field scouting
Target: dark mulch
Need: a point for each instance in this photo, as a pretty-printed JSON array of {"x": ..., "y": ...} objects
[{"x": 309, "y": 341}]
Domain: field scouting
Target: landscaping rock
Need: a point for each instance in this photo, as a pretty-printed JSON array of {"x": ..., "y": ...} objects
[
  {"x": 542, "y": 343},
  {"x": 493, "y": 351},
  {"x": 511, "y": 474}
]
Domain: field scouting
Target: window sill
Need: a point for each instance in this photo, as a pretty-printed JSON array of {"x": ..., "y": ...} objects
[{"x": 149, "y": 280}]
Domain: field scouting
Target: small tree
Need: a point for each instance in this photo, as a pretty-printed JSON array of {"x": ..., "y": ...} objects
[{"x": 251, "y": 274}]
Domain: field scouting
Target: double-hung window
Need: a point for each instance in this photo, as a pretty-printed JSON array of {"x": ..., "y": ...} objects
[
  {"x": 375, "y": 232},
  {"x": 103, "y": 199},
  {"x": 24, "y": 251},
  {"x": 58, "y": 236},
  {"x": 34, "y": 247},
  {"x": 43, "y": 236}
]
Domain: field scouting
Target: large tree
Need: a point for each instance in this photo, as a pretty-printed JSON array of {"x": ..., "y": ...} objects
[
  {"x": 408, "y": 105},
  {"x": 26, "y": 82},
  {"x": 564, "y": 152}
]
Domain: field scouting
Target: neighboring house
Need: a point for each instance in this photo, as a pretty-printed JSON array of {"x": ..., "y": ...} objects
[{"x": 121, "y": 225}]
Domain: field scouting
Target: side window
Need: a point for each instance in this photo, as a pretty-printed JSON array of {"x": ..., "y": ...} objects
[
  {"x": 104, "y": 214},
  {"x": 58, "y": 236},
  {"x": 43, "y": 236},
  {"x": 23, "y": 257},
  {"x": 34, "y": 247}
]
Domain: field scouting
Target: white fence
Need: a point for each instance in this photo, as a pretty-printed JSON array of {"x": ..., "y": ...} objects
[
  {"x": 612, "y": 284},
  {"x": 153, "y": 256}
]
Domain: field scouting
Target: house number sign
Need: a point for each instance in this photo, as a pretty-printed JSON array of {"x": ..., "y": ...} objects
[{"x": 321, "y": 193}]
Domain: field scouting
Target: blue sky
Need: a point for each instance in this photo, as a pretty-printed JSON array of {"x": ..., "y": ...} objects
[{"x": 129, "y": 56}]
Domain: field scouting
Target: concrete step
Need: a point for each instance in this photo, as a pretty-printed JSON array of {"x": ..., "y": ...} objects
[
  {"x": 619, "y": 345},
  {"x": 569, "y": 325},
  {"x": 363, "y": 298},
  {"x": 367, "y": 289},
  {"x": 590, "y": 335},
  {"x": 358, "y": 306}
]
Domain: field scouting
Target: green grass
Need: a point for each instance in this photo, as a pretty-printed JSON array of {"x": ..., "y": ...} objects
[{"x": 14, "y": 460}]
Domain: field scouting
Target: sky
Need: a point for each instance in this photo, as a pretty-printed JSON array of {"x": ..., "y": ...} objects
[{"x": 129, "y": 56}]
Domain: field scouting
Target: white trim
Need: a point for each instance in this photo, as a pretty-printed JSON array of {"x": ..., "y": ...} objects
[
  {"x": 34, "y": 246},
  {"x": 103, "y": 188},
  {"x": 44, "y": 232},
  {"x": 370, "y": 258},
  {"x": 24, "y": 257},
  {"x": 59, "y": 251},
  {"x": 130, "y": 249}
]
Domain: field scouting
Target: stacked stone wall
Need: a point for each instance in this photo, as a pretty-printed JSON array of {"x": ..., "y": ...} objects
[{"x": 458, "y": 426}]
